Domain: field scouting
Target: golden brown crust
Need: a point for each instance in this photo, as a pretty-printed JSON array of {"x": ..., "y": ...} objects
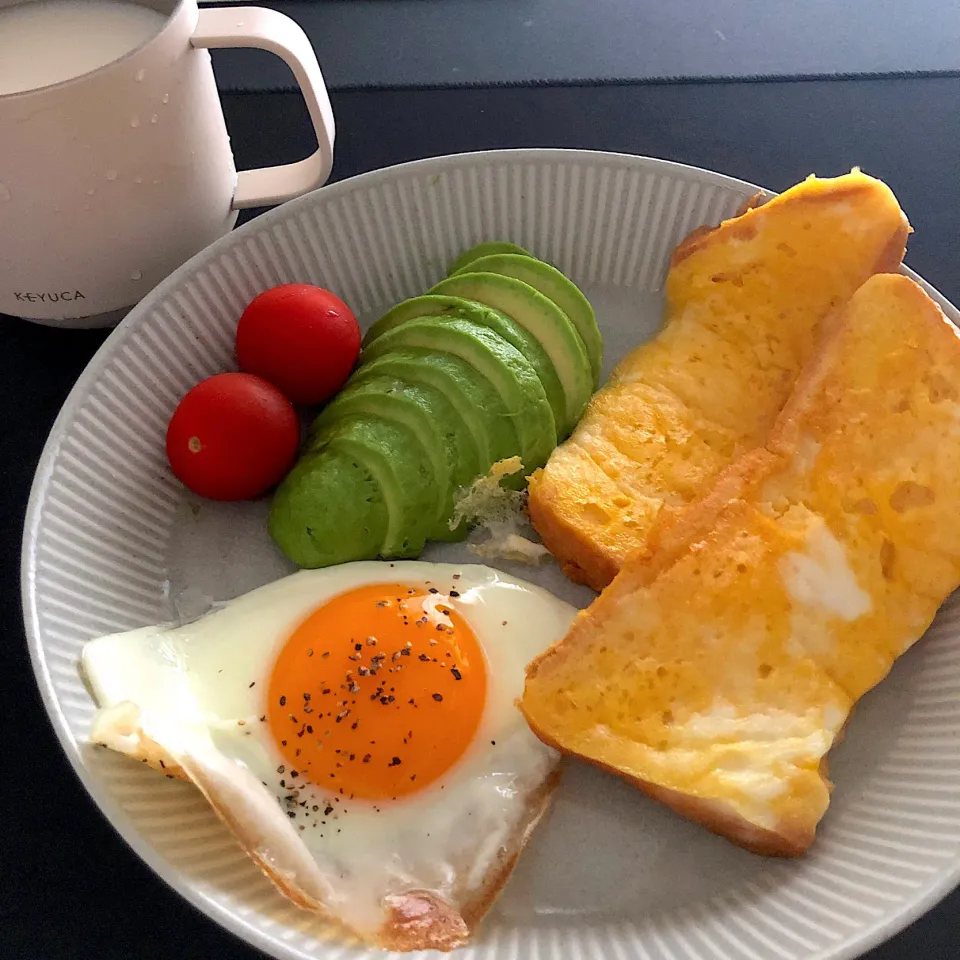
[
  {"x": 421, "y": 920},
  {"x": 789, "y": 840},
  {"x": 589, "y": 520},
  {"x": 825, "y": 382},
  {"x": 416, "y": 919},
  {"x": 566, "y": 540}
]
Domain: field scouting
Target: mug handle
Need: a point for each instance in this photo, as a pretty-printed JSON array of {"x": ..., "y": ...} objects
[{"x": 267, "y": 29}]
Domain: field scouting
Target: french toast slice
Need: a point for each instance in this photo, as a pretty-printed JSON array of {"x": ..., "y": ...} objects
[
  {"x": 744, "y": 304},
  {"x": 716, "y": 672}
]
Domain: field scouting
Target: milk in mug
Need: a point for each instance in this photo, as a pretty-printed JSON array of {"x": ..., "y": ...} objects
[{"x": 49, "y": 41}]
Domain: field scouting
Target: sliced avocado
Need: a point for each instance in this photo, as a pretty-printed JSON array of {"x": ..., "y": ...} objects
[
  {"x": 328, "y": 510},
  {"x": 432, "y": 305},
  {"x": 485, "y": 250},
  {"x": 503, "y": 365},
  {"x": 472, "y": 397},
  {"x": 391, "y": 454},
  {"x": 456, "y": 430},
  {"x": 401, "y": 404},
  {"x": 545, "y": 320},
  {"x": 554, "y": 285}
]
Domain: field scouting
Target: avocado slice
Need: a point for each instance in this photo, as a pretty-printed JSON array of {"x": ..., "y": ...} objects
[
  {"x": 432, "y": 305},
  {"x": 545, "y": 320},
  {"x": 553, "y": 284},
  {"x": 402, "y": 404},
  {"x": 485, "y": 250},
  {"x": 489, "y": 431},
  {"x": 312, "y": 534},
  {"x": 391, "y": 453},
  {"x": 503, "y": 365}
]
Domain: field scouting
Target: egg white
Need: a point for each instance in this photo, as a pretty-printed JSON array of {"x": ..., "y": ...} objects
[{"x": 192, "y": 696}]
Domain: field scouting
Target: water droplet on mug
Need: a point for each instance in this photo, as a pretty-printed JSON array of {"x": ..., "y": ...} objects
[
  {"x": 134, "y": 121},
  {"x": 154, "y": 118},
  {"x": 136, "y": 275},
  {"x": 140, "y": 75},
  {"x": 240, "y": 23},
  {"x": 91, "y": 191},
  {"x": 166, "y": 98},
  {"x": 138, "y": 179},
  {"x": 4, "y": 193},
  {"x": 111, "y": 174}
]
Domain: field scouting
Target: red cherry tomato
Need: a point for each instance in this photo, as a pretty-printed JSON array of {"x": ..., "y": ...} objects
[
  {"x": 302, "y": 339},
  {"x": 232, "y": 437}
]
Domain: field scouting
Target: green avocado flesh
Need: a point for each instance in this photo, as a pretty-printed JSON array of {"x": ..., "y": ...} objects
[
  {"x": 555, "y": 286},
  {"x": 496, "y": 361},
  {"x": 407, "y": 483},
  {"x": 485, "y": 250},
  {"x": 511, "y": 375},
  {"x": 305, "y": 527},
  {"x": 542, "y": 318},
  {"x": 504, "y": 326},
  {"x": 422, "y": 413}
]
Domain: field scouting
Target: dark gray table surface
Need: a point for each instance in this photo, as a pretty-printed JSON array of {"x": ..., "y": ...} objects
[
  {"x": 69, "y": 887},
  {"x": 378, "y": 43}
]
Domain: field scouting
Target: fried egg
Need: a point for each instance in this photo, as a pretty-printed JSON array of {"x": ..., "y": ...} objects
[{"x": 356, "y": 728}]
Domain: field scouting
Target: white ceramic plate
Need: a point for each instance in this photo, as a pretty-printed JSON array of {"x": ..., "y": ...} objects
[{"x": 112, "y": 542}]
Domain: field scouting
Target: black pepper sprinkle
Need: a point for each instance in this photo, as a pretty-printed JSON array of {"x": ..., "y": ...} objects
[
  {"x": 307, "y": 697},
  {"x": 263, "y": 719},
  {"x": 310, "y": 652},
  {"x": 440, "y": 626},
  {"x": 353, "y": 726},
  {"x": 163, "y": 766},
  {"x": 493, "y": 743},
  {"x": 325, "y": 690},
  {"x": 424, "y": 658},
  {"x": 456, "y": 576},
  {"x": 504, "y": 623},
  {"x": 456, "y": 673},
  {"x": 283, "y": 701},
  {"x": 454, "y": 593},
  {"x": 394, "y": 762},
  {"x": 292, "y": 814},
  {"x": 434, "y": 590},
  {"x": 325, "y": 655},
  {"x": 358, "y": 646},
  {"x": 366, "y": 758},
  {"x": 170, "y": 776},
  {"x": 252, "y": 683},
  {"x": 405, "y": 652},
  {"x": 281, "y": 769},
  {"x": 309, "y": 728},
  {"x": 327, "y": 810},
  {"x": 438, "y": 697}
]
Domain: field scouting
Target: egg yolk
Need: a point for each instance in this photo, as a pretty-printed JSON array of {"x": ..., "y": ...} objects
[{"x": 378, "y": 692}]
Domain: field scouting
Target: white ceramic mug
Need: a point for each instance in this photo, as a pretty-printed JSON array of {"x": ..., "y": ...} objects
[{"x": 111, "y": 180}]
